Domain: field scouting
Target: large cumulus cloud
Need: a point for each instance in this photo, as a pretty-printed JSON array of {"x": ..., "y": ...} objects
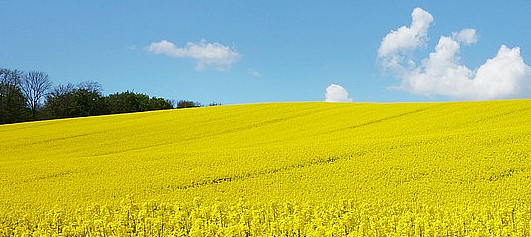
[{"x": 504, "y": 76}]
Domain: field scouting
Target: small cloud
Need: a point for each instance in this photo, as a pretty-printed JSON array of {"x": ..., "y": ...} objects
[
  {"x": 254, "y": 73},
  {"x": 336, "y": 93},
  {"x": 206, "y": 55},
  {"x": 441, "y": 73},
  {"x": 466, "y": 36}
]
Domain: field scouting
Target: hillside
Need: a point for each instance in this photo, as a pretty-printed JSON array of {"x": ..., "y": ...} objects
[{"x": 450, "y": 156}]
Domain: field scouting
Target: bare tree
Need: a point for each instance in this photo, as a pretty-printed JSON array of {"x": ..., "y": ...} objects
[
  {"x": 91, "y": 86},
  {"x": 61, "y": 90},
  {"x": 35, "y": 85},
  {"x": 9, "y": 81},
  {"x": 8, "y": 76}
]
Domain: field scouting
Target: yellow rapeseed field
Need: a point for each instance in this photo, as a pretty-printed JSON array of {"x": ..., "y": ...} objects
[{"x": 278, "y": 169}]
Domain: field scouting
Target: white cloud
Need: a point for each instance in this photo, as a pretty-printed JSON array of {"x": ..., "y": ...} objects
[
  {"x": 206, "y": 54},
  {"x": 441, "y": 73},
  {"x": 336, "y": 93},
  {"x": 398, "y": 42},
  {"x": 467, "y": 36},
  {"x": 254, "y": 73}
]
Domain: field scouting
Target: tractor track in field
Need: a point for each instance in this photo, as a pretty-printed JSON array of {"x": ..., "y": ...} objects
[
  {"x": 219, "y": 133},
  {"x": 259, "y": 173},
  {"x": 375, "y": 121}
]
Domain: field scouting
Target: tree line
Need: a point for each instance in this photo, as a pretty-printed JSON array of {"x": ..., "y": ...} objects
[{"x": 28, "y": 96}]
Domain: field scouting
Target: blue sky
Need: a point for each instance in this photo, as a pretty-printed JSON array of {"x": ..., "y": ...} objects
[{"x": 270, "y": 50}]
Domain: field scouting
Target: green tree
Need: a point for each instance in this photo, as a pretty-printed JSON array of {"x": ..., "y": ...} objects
[
  {"x": 127, "y": 102},
  {"x": 187, "y": 104},
  {"x": 12, "y": 102},
  {"x": 159, "y": 103},
  {"x": 88, "y": 103},
  {"x": 85, "y": 99}
]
